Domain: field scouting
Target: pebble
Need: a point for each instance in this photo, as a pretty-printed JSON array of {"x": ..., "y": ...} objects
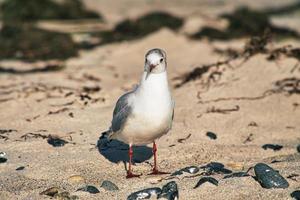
[
  {"x": 56, "y": 141},
  {"x": 3, "y": 158},
  {"x": 144, "y": 194},
  {"x": 76, "y": 179},
  {"x": 215, "y": 167},
  {"x": 169, "y": 191},
  {"x": 268, "y": 177},
  {"x": 236, "y": 174},
  {"x": 89, "y": 188},
  {"x": 109, "y": 186},
  {"x": 274, "y": 147},
  {"x": 20, "y": 168},
  {"x": 298, "y": 148},
  {"x": 51, "y": 191},
  {"x": 190, "y": 170},
  {"x": 207, "y": 179},
  {"x": 211, "y": 135},
  {"x": 296, "y": 195}
]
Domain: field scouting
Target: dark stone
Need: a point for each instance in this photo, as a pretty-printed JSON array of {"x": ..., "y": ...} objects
[
  {"x": 215, "y": 167},
  {"x": 296, "y": 195},
  {"x": 211, "y": 135},
  {"x": 207, "y": 179},
  {"x": 190, "y": 170},
  {"x": 3, "y": 158},
  {"x": 275, "y": 147},
  {"x": 268, "y": 177},
  {"x": 20, "y": 168},
  {"x": 108, "y": 185},
  {"x": 56, "y": 141},
  {"x": 298, "y": 148},
  {"x": 169, "y": 191},
  {"x": 89, "y": 188},
  {"x": 144, "y": 194},
  {"x": 236, "y": 174}
]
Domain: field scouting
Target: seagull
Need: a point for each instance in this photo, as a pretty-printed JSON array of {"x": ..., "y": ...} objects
[{"x": 146, "y": 113}]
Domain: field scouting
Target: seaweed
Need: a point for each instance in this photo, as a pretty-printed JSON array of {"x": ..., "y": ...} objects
[
  {"x": 140, "y": 27},
  {"x": 48, "y": 67},
  {"x": 29, "y": 43},
  {"x": 288, "y": 85},
  {"x": 255, "y": 45},
  {"x": 21, "y": 39},
  {"x": 199, "y": 72},
  {"x": 32, "y": 10},
  {"x": 246, "y": 22}
]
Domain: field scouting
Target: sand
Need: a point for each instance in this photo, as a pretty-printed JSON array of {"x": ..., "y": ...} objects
[{"x": 42, "y": 103}]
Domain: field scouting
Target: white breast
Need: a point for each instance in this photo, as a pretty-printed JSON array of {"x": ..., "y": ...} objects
[
  {"x": 152, "y": 111},
  {"x": 153, "y": 99}
]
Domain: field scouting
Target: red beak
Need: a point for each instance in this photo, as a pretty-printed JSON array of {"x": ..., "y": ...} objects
[{"x": 152, "y": 67}]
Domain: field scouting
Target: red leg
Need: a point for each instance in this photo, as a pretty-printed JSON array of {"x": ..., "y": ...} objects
[
  {"x": 155, "y": 169},
  {"x": 129, "y": 172}
]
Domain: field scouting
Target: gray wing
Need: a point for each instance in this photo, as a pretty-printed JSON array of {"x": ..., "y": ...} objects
[
  {"x": 173, "y": 113},
  {"x": 121, "y": 112},
  {"x": 173, "y": 103}
]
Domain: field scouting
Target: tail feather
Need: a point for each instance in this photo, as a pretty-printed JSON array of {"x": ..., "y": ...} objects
[{"x": 106, "y": 134}]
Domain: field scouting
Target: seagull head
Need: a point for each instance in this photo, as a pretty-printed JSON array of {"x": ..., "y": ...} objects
[{"x": 155, "y": 61}]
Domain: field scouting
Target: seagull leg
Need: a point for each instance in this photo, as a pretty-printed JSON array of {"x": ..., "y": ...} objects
[
  {"x": 155, "y": 169},
  {"x": 129, "y": 172}
]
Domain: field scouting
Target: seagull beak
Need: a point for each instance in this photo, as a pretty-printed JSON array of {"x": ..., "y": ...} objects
[{"x": 151, "y": 67}]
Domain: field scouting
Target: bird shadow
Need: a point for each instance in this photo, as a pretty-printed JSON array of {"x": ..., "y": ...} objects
[{"x": 116, "y": 151}]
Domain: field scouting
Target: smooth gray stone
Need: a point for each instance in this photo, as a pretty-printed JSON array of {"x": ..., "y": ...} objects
[{"x": 268, "y": 177}]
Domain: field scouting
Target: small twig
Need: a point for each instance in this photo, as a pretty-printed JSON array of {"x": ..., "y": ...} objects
[
  {"x": 292, "y": 177},
  {"x": 4, "y": 137},
  {"x": 295, "y": 67},
  {"x": 248, "y": 139},
  {"x": 222, "y": 111},
  {"x": 4, "y": 100},
  {"x": 58, "y": 111},
  {"x": 265, "y": 94},
  {"x": 33, "y": 135},
  {"x": 65, "y": 104},
  {"x": 181, "y": 140},
  {"x": 35, "y": 117},
  {"x": 6, "y": 131}
]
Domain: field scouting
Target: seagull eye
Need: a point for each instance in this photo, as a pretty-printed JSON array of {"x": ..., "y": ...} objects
[{"x": 161, "y": 59}]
